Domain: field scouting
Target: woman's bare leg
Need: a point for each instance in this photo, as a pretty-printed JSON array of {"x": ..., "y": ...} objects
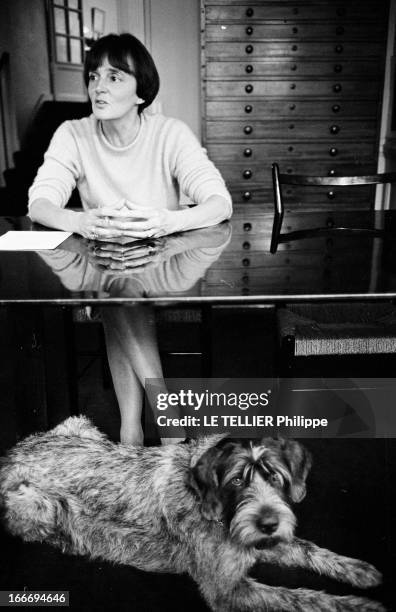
[{"x": 133, "y": 355}]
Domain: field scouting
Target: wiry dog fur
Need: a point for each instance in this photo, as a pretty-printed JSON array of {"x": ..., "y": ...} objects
[{"x": 212, "y": 508}]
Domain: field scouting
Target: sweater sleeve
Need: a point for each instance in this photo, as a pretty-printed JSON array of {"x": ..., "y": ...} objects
[
  {"x": 57, "y": 176},
  {"x": 197, "y": 176}
]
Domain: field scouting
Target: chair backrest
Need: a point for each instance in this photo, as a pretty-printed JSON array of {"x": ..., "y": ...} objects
[{"x": 280, "y": 179}]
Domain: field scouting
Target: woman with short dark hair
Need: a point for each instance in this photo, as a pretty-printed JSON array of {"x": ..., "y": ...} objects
[{"x": 129, "y": 165}]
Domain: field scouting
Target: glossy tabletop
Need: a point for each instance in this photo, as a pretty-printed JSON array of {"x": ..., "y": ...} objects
[{"x": 229, "y": 263}]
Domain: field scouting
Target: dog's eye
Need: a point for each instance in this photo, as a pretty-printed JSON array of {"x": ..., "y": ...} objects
[
  {"x": 275, "y": 479},
  {"x": 237, "y": 482}
]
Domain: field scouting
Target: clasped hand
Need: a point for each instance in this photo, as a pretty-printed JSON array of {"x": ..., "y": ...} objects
[{"x": 125, "y": 219}]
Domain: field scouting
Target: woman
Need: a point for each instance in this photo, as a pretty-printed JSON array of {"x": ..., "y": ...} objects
[{"x": 129, "y": 167}]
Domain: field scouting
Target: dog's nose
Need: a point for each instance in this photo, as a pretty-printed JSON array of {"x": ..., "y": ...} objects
[{"x": 268, "y": 524}]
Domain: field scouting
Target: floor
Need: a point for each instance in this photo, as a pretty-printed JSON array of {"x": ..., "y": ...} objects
[{"x": 349, "y": 507}]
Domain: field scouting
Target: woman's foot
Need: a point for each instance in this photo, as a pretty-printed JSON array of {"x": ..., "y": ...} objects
[{"x": 167, "y": 441}]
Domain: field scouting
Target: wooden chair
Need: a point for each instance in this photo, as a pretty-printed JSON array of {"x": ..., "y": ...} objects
[
  {"x": 279, "y": 179},
  {"x": 311, "y": 335}
]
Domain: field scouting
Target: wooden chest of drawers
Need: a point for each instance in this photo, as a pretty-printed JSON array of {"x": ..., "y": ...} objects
[{"x": 299, "y": 83}]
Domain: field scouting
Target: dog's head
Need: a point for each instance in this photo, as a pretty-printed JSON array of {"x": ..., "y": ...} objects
[{"x": 249, "y": 485}]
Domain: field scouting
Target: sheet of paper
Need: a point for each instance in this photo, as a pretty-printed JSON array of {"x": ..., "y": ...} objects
[{"x": 31, "y": 241}]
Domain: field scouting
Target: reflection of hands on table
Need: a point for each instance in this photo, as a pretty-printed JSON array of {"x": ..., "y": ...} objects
[{"x": 125, "y": 258}]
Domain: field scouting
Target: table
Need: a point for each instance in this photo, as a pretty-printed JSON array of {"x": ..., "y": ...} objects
[{"x": 229, "y": 264}]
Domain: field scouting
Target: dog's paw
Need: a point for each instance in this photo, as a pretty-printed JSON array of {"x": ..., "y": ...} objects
[
  {"x": 354, "y": 604},
  {"x": 361, "y": 574}
]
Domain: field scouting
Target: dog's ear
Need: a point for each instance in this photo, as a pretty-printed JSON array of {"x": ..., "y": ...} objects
[
  {"x": 298, "y": 461},
  {"x": 204, "y": 481}
]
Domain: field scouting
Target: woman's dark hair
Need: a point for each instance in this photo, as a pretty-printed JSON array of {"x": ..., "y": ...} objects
[{"x": 120, "y": 49}]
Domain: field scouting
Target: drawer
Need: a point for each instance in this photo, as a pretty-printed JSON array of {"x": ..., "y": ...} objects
[
  {"x": 291, "y": 130},
  {"x": 253, "y": 12},
  {"x": 326, "y": 195},
  {"x": 303, "y": 198},
  {"x": 290, "y": 108},
  {"x": 286, "y": 88},
  {"x": 285, "y": 152},
  {"x": 251, "y": 50},
  {"x": 249, "y": 174},
  {"x": 281, "y": 67},
  {"x": 296, "y": 31}
]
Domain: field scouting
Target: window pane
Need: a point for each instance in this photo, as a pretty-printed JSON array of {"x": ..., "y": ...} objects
[
  {"x": 75, "y": 51},
  {"x": 60, "y": 23},
  {"x": 74, "y": 24},
  {"x": 73, "y": 4},
  {"x": 61, "y": 49}
]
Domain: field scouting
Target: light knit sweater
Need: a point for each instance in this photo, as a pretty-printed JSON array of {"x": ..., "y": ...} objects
[{"x": 164, "y": 159}]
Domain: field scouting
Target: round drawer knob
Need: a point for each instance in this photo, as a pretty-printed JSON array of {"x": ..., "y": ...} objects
[
  {"x": 295, "y": 30},
  {"x": 247, "y": 227},
  {"x": 338, "y": 48},
  {"x": 330, "y": 222},
  {"x": 295, "y": 11},
  {"x": 292, "y": 107},
  {"x": 246, "y": 262},
  {"x": 249, "y": 88},
  {"x": 247, "y": 152},
  {"x": 249, "y": 49},
  {"x": 249, "y": 12},
  {"x": 289, "y": 170},
  {"x": 338, "y": 68},
  {"x": 293, "y": 68},
  {"x": 249, "y": 30},
  {"x": 247, "y": 174},
  {"x": 291, "y": 126},
  {"x": 246, "y": 196},
  {"x": 292, "y": 86},
  {"x": 245, "y": 278},
  {"x": 336, "y": 108},
  {"x": 249, "y": 68},
  {"x": 331, "y": 172},
  {"x": 333, "y": 151},
  {"x": 290, "y": 148},
  {"x": 248, "y": 129},
  {"x": 246, "y": 245},
  {"x": 331, "y": 196},
  {"x": 337, "y": 88},
  {"x": 340, "y": 30},
  {"x": 334, "y": 129},
  {"x": 294, "y": 48},
  {"x": 248, "y": 108}
]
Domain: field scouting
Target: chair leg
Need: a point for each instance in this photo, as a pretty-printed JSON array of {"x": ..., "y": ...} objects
[
  {"x": 206, "y": 341},
  {"x": 287, "y": 349}
]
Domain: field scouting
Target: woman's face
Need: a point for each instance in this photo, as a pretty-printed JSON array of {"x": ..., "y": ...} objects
[{"x": 112, "y": 93}]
